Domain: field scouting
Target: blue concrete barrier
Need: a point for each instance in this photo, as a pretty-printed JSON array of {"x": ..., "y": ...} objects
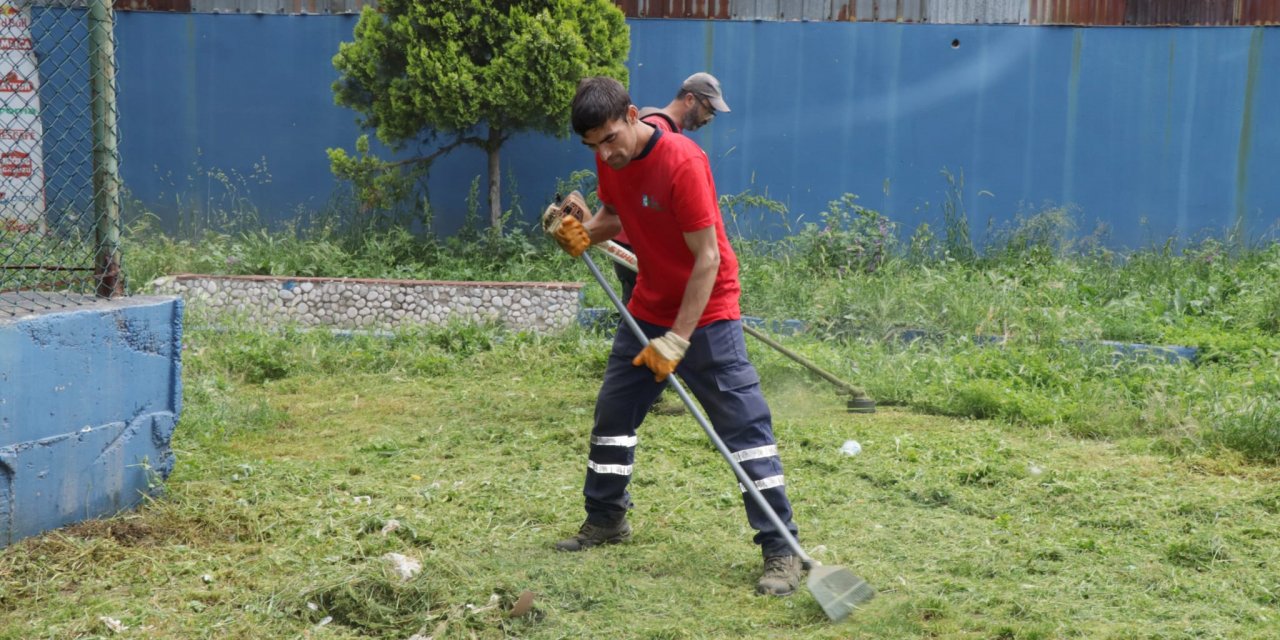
[{"x": 89, "y": 400}]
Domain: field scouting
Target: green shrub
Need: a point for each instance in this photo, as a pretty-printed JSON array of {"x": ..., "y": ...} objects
[{"x": 851, "y": 239}]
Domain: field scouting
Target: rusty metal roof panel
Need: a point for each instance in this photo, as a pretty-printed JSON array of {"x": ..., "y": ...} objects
[
  {"x": 1258, "y": 12},
  {"x": 1155, "y": 13},
  {"x": 662, "y": 8},
  {"x": 176, "y": 6},
  {"x": 782, "y": 10},
  {"x": 938, "y": 11},
  {"x": 818, "y": 10},
  {"x": 1077, "y": 12},
  {"x": 976, "y": 11},
  {"x": 290, "y": 7},
  {"x": 1045, "y": 12},
  {"x": 886, "y": 10},
  {"x": 754, "y": 9},
  {"x": 1179, "y": 12}
]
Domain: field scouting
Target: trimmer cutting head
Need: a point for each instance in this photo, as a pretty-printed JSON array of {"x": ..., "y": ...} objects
[
  {"x": 838, "y": 590},
  {"x": 861, "y": 404}
]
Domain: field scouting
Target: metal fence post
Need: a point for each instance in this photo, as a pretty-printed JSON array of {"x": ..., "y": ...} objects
[{"x": 106, "y": 166}]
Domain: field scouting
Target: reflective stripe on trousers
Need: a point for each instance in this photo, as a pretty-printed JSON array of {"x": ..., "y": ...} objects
[{"x": 716, "y": 371}]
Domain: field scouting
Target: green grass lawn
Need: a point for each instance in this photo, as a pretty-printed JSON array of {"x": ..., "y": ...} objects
[{"x": 295, "y": 451}]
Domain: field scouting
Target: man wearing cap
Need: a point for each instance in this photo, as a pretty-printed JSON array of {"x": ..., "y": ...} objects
[
  {"x": 659, "y": 186},
  {"x": 696, "y": 103}
]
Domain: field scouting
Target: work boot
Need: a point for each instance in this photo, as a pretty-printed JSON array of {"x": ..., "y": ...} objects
[
  {"x": 781, "y": 576},
  {"x": 592, "y": 535}
]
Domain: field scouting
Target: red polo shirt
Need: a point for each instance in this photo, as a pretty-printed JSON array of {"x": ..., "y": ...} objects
[
  {"x": 659, "y": 121},
  {"x": 663, "y": 193}
]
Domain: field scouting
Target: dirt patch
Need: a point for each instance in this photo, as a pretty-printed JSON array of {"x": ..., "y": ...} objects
[{"x": 126, "y": 532}]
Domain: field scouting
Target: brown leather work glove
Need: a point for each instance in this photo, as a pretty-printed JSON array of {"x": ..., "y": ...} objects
[
  {"x": 662, "y": 355},
  {"x": 563, "y": 220},
  {"x": 572, "y": 236}
]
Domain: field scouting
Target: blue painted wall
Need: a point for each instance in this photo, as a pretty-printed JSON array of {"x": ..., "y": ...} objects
[
  {"x": 1152, "y": 131},
  {"x": 89, "y": 399}
]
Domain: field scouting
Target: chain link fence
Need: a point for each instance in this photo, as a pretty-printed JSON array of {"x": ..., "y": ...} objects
[{"x": 59, "y": 163}]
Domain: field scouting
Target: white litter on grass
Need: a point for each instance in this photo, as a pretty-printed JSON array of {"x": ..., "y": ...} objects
[
  {"x": 323, "y": 621},
  {"x": 404, "y": 566},
  {"x": 208, "y": 579},
  {"x": 114, "y": 625},
  {"x": 493, "y": 602},
  {"x": 313, "y": 606},
  {"x": 362, "y": 500},
  {"x": 1034, "y": 469},
  {"x": 390, "y": 526},
  {"x": 850, "y": 448}
]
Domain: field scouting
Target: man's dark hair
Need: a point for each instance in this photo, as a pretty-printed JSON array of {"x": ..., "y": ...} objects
[{"x": 599, "y": 99}]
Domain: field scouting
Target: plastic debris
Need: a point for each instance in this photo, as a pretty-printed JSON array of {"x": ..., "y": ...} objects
[
  {"x": 114, "y": 625},
  {"x": 851, "y": 448},
  {"x": 390, "y": 526},
  {"x": 494, "y": 600},
  {"x": 404, "y": 566}
]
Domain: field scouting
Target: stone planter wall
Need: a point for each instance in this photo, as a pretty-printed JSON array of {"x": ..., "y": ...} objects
[{"x": 346, "y": 303}]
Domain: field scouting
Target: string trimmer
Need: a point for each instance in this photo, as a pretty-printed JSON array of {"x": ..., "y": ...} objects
[{"x": 835, "y": 588}]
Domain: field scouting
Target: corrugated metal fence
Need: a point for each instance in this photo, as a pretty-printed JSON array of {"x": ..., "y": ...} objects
[{"x": 1036, "y": 12}]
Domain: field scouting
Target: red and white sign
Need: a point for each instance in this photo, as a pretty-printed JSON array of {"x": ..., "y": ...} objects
[
  {"x": 22, "y": 202},
  {"x": 15, "y": 43},
  {"x": 16, "y": 164},
  {"x": 13, "y": 83}
]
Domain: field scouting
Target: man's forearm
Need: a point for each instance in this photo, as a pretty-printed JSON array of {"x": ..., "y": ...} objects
[
  {"x": 696, "y": 294},
  {"x": 603, "y": 226}
]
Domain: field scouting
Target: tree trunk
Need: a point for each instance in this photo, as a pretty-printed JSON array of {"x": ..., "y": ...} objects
[{"x": 492, "y": 145}]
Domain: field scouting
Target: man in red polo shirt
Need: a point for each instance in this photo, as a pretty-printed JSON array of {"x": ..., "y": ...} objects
[{"x": 658, "y": 186}]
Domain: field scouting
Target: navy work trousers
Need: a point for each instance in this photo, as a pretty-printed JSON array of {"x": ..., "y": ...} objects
[{"x": 717, "y": 372}]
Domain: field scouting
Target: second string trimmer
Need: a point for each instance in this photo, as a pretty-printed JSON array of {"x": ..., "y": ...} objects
[{"x": 859, "y": 401}]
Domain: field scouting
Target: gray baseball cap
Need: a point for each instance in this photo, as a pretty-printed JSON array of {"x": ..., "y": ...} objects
[{"x": 705, "y": 85}]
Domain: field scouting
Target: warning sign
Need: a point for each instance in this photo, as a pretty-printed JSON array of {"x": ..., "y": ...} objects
[{"x": 22, "y": 203}]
